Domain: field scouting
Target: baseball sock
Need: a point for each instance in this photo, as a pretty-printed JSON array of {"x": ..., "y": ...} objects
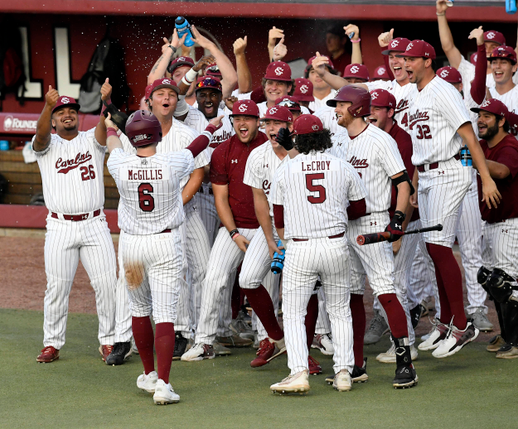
[
  {"x": 311, "y": 319},
  {"x": 447, "y": 268},
  {"x": 261, "y": 302},
  {"x": 359, "y": 322},
  {"x": 164, "y": 345},
  {"x": 395, "y": 314},
  {"x": 144, "y": 339}
]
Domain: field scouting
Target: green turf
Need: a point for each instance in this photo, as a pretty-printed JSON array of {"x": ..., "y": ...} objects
[{"x": 471, "y": 389}]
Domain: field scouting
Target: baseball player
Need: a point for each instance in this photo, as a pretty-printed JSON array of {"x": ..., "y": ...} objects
[
  {"x": 380, "y": 73},
  {"x": 71, "y": 165},
  {"x": 437, "y": 114},
  {"x": 304, "y": 92},
  {"x": 234, "y": 202},
  {"x": 375, "y": 156},
  {"x": 321, "y": 187},
  {"x": 501, "y": 223},
  {"x": 150, "y": 214}
]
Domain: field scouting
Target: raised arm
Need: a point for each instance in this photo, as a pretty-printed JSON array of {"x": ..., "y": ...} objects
[
  {"x": 100, "y": 129},
  {"x": 448, "y": 46},
  {"x": 333, "y": 80},
  {"x": 274, "y": 34},
  {"x": 478, "y": 86},
  {"x": 384, "y": 40},
  {"x": 228, "y": 73},
  {"x": 168, "y": 50},
  {"x": 44, "y": 125},
  {"x": 354, "y": 31},
  {"x": 112, "y": 141},
  {"x": 244, "y": 77}
]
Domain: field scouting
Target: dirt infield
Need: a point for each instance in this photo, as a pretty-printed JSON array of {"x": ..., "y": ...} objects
[{"x": 23, "y": 283}]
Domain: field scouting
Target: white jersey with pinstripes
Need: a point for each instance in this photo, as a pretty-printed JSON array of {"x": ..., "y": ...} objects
[
  {"x": 315, "y": 190},
  {"x": 510, "y": 98},
  {"x": 72, "y": 173},
  {"x": 149, "y": 188},
  {"x": 340, "y": 144},
  {"x": 321, "y": 103},
  {"x": 403, "y": 95},
  {"x": 375, "y": 156},
  {"x": 260, "y": 169},
  {"x": 328, "y": 117},
  {"x": 435, "y": 115}
]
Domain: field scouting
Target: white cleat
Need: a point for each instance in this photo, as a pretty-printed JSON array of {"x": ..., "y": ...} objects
[
  {"x": 295, "y": 383},
  {"x": 147, "y": 382},
  {"x": 164, "y": 394}
]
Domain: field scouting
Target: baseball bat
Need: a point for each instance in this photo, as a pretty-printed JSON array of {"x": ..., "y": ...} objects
[{"x": 385, "y": 235}]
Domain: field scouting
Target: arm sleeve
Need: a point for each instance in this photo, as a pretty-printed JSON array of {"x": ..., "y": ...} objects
[
  {"x": 356, "y": 209},
  {"x": 478, "y": 87},
  {"x": 278, "y": 216}
]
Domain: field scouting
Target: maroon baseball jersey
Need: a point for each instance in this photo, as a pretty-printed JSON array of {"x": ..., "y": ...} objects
[
  {"x": 404, "y": 144},
  {"x": 505, "y": 152},
  {"x": 228, "y": 168}
]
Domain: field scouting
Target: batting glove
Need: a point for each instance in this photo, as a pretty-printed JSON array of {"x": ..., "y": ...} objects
[
  {"x": 284, "y": 138},
  {"x": 395, "y": 227}
]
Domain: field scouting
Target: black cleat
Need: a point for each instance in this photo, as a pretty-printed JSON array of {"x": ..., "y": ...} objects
[
  {"x": 121, "y": 352},
  {"x": 180, "y": 345}
]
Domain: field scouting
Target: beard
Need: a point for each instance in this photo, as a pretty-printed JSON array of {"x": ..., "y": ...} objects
[{"x": 489, "y": 132}]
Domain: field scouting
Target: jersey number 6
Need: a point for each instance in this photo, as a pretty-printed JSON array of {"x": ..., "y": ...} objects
[
  {"x": 145, "y": 199},
  {"x": 310, "y": 178}
]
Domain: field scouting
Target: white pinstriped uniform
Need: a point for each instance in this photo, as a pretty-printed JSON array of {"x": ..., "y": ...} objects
[
  {"x": 403, "y": 95},
  {"x": 501, "y": 240},
  {"x": 328, "y": 117},
  {"x": 205, "y": 200},
  {"x": 260, "y": 169},
  {"x": 375, "y": 156},
  {"x": 315, "y": 190},
  {"x": 436, "y": 112},
  {"x": 510, "y": 98},
  {"x": 318, "y": 104},
  {"x": 150, "y": 203},
  {"x": 72, "y": 178}
]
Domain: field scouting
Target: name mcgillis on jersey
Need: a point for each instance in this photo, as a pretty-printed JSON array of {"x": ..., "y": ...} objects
[
  {"x": 150, "y": 174},
  {"x": 315, "y": 165}
]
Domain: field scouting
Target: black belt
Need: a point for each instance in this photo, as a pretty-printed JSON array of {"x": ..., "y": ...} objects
[
  {"x": 331, "y": 236},
  {"x": 78, "y": 217},
  {"x": 433, "y": 165}
]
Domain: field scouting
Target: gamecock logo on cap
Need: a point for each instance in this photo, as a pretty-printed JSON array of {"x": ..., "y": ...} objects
[
  {"x": 491, "y": 35},
  {"x": 381, "y": 71},
  {"x": 273, "y": 110},
  {"x": 315, "y": 127},
  {"x": 65, "y": 100},
  {"x": 355, "y": 69},
  {"x": 243, "y": 108},
  {"x": 278, "y": 71},
  {"x": 410, "y": 46},
  {"x": 394, "y": 44},
  {"x": 166, "y": 82},
  {"x": 304, "y": 89},
  {"x": 486, "y": 103},
  {"x": 444, "y": 73}
]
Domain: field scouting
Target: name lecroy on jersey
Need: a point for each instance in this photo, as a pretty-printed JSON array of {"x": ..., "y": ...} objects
[{"x": 64, "y": 166}]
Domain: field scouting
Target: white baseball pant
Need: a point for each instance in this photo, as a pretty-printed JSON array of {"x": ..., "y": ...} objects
[
  {"x": 65, "y": 243},
  {"x": 225, "y": 257},
  {"x": 152, "y": 266},
  {"x": 501, "y": 241},
  {"x": 208, "y": 212},
  {"x": 305, "y": 260}
]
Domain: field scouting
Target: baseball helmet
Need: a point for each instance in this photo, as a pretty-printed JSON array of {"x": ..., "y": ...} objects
[
  {"x": 359, "y": 97},
  {"x": 143, "y": 128}
]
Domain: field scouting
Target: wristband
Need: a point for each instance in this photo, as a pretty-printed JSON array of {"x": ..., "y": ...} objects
[
  {"x": 356, "y": 41},
  {"x": 237, "y": 234},
  {"x": 440, "y": 14},
  {"x": 111, "y": 132},
  {"x": 173, "y": 48},
  {"x": 233, "y": 233},
  {"x": 185, "y": 81},
  {"x": 191, "y": 76}
]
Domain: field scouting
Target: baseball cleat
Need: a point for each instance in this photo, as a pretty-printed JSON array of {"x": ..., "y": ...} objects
[
  {"x": 234, "y": 341},
  {"x": 377, "y": 328},
  {"x": 507, "y": 352},
  {"x": 219, "y": 350},
  {"x": 324, "y": 343},
  {"x": 180, "y": 346},
  {"x": 121, "y": 352},
  {"x": 405, "y": 378},
  {"x": 390, "y": 355},
  {"x": 295, "y": 383},
  {"x": 147, "y": 382},
  {"x": 359, "y": 375},
  {"x": 268, "y": 350},
  {"x": 314, "y": 366},
  {"x": 481, "y": 321},
  {"x": 241, "y": 328},
  {"x": 495, "y": 343},
  {"x": 438, "y": 333},
  {"x": 342, "y": 381},
  {"x": 47, "y": 355},
  {"x": 105, "y": 351},
  {"x": 199, "y": 352},
  {"x": 164, "y": 394},
  {"x": 455, "y": 340}
]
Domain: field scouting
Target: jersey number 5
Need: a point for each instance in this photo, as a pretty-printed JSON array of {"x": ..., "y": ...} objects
[
  {"x": 310, "y": 178},
  {"x": 145, "y": 199}
]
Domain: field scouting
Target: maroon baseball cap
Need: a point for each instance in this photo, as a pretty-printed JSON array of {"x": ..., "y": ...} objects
[
  {"x": 449, "y": 74},
  {"x": 494, "y": 36},
  {"x": 473, "y": 58},
  {"x": 290, "y": 102},
  {"x": 208, "y": 82},
  {"x": 246, "y": 108},
  {"x": 213, "y": 70},
  {"x": 505, "y": 52},
  {"x": 278, "y": 70},
  {"x": 383, "y": 98},
  {"x": 398, "y": 44},
  {"x": 492, "y": 106},
  {"x": 419, "y": 48},
  {"x": 179, "y": 62},
  {"x": 147, "y": 93},
  {"x": 307, "y": 124},
  {"x": 380, "y": 73},
  {"x": 303, "y": 90},
  {"x": 66, "y": 101},
  {"x": 278, "y": 113},
  {"x": 310, "y": 62},
  {"x": 358, "y": 71},
  {"x": 165, "y": 82}
]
